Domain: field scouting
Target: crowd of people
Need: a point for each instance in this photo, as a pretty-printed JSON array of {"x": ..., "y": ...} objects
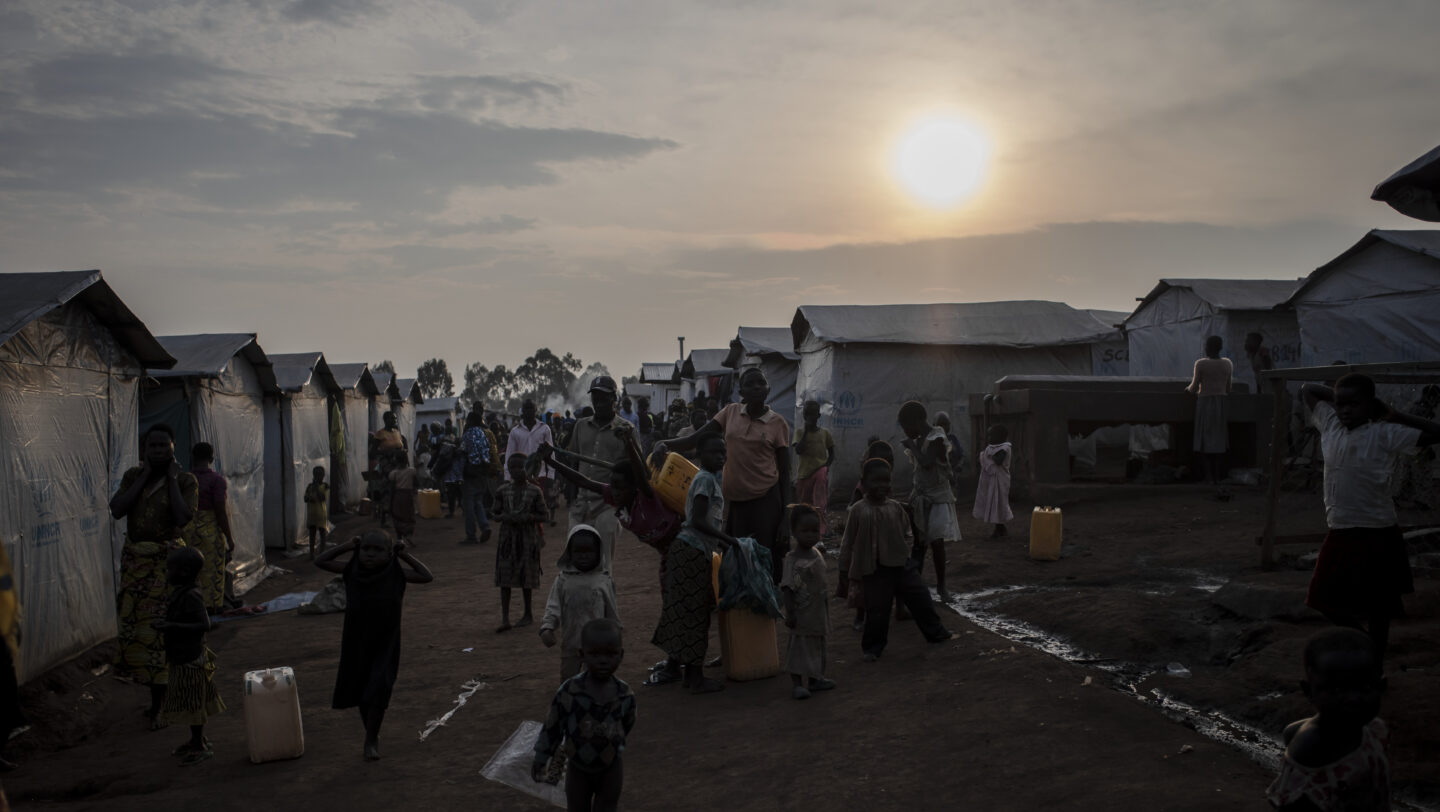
[{"x": 761, "y": 489}]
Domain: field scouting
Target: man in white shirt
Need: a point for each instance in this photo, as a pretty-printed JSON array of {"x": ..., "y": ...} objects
[
  {"x": 1363, "y": 567},
  {"x": 526, "y": 438}
]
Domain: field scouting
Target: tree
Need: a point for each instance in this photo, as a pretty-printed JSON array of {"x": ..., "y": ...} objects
[
  {"x": 492, "y": 389},
  {"x": 546, "y": 373},
  {"x": 384, "y": 366},
  {"x": 434, "y": 379}
]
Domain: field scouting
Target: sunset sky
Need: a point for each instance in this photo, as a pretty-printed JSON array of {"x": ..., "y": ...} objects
[{"x": 473, "y": 180}]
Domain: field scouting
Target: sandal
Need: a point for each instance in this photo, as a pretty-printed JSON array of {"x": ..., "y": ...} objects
[
  {"x": 504, "y": 627},
  {"x": 196, "y": 756},
  {"x": 524, "y": 621},
  {"x": 661, "y": 676},
  {"x": 187, "y": 747}
]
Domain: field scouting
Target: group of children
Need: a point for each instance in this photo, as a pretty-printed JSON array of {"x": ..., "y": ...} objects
[{"x": 1333, "y": 760}]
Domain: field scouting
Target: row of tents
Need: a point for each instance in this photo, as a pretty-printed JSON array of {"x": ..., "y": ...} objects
[{"x": 1377, "y": 301}]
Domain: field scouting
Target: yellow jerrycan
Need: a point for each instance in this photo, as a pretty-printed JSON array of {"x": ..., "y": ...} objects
[
  {"x": 1045, "y": 534},
  {"x": 671, "y": 482}
]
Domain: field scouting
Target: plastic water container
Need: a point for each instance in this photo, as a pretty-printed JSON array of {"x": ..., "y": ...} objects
[
  {"x": 1046, "y": 532},
  {"x": 427, "y": 503},
  {"x": 672, "y": 481},
  {"x": 272, "y": 715},
  {"x": 748, "y": 645}
]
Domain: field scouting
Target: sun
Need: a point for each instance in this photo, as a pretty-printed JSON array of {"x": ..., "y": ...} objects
[{"x": 941, "y": 160}]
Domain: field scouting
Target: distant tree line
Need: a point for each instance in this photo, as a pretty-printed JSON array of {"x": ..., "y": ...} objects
[{"x": 503, "y": 389}]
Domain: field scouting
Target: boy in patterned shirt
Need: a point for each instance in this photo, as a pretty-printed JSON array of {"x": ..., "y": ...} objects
[{"x": 592, "y": 713}]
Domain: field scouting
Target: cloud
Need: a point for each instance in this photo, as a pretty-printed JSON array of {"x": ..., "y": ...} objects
[
  {"x": 461, "y": 92},
  {"x": 140, "y": 75},
  {"x": 339, "y": 12},
  {"x": 503, "y": 224}
]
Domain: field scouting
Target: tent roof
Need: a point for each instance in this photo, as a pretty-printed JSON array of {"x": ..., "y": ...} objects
[
  {"x": 1110, "y": 317},
  {"x": 974, "y": 324},
  {"x": 409, "y": 391},
  {"x": 1414, "y": 189},
  {"x": 205, "y": 355},
  {"x": 1227, "y": 294},
  {"x": 705, "y": 362},
  {"x": 761, "y": 341},
  {"x": 25, "y": 297},
  {"x": 659, "y": 372},
  {"x": 355, "y": 376},
  {"x": 435, "y": 405},
  {"x": 294, "y": 369},
  {"x": 1420, "y": 242}
]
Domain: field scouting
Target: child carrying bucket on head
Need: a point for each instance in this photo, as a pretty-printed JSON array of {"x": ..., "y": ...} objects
[
  {"x": 992, "y": 495},
  {"x": 806, "y": 614}
]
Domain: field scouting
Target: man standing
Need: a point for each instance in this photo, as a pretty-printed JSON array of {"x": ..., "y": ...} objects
[
  {"x": 601, "y": 437},
  {"x": 627, "y": 411},
  {"x": 526, "y": 438}
]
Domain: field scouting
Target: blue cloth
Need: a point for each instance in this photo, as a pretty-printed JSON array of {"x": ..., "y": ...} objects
[
  {"x": 475, "y": 446},
  {"x": 746, "y": 581}
]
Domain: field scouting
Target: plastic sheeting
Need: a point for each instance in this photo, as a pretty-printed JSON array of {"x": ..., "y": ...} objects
[
  {"x": 861, "y": 387},
  {"x": 1377, "y": 302},
  {"x": 1167, "y": 332},
  {"x": 1415, "y": 189},
  {"x": 297, "y": 439},
  {"x": 68, "y": 431},
  {"x": 356, "y": 408},
  {"x": 974, "y": 324}
]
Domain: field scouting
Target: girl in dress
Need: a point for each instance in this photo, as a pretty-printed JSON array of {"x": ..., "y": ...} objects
[
  {"x": 370, "y": 642},
  {"x": 806, "y": 614},
  {"x": 992, "y": 496},
  {"x": 520, "y": 509}
]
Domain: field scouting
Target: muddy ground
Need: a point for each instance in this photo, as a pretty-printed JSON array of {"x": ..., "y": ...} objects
[{"x": 983, "y": 721}]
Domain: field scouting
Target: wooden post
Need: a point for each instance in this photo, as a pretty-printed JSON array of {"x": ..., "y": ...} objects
[{"x": 1277, "y": 470}]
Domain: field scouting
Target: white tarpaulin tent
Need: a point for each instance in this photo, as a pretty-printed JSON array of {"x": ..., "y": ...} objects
[
  {"x": 772, "y": 351},
  {"x": 297, "y": 438},
  {"x": 356, "y": 404},
  {"x": 71, "y": 360},
  {"x": 1415, "y": 189},
  {"x": 1167, "y": 331},
  {"x": 216, "y": 392},
  {"x": 1379, "y": 301},
  {"x": 862, "y": 362},
  {"x": 398, "y": 395}
]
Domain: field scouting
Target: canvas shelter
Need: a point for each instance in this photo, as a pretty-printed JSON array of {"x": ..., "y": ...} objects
[
  {"x": 216, "y": 394},
  {"x": 357, "y": 405},
  {"x": 861, "y": 362},
  {"x": 398, "y": 395},
  {"x": 705, "y": 371},
  {"x": 664, "y": 380},
  {"x": 72, "y": 357},
  {"x": 1378, "y": 302},
  {"x": 297, "y": 438},
  {"x": 1167, "y": 331},
  {"x": 772, "y": 351},
  {"x": 1415, "y": 189},
  {"x": 435, "y": 410}
]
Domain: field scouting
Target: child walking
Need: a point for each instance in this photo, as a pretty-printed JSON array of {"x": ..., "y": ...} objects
[
  {"x": 1363, "y": 567},
  {"x": 992, "y": 495},
  {"x": 932, "y": 496},
  {"x": 370, "y": 641},
  {"x": 521, "y": 511},
  {"x": 1336, "y": 760},
  {"x": 591, "y": 715},
  {"x": 402, "y": 498},
  {"x": 878, "y": 550},
  {"x": 689, "y": 595},
  {"x": 191, "y": 697},
  {"x": 317, "y": 510},
  {"x": 582, "y": 592},
  {"x": 806, "y": 614}
]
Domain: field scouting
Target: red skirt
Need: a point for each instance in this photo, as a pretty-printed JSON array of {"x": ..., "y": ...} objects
[{"x": 1361, "y": 573}]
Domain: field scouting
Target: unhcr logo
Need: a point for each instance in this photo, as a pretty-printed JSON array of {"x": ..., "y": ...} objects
[{"x": 847, "y": 410}]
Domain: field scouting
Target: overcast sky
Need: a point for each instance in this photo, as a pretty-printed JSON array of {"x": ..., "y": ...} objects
[{"x": 475, "y": 179}]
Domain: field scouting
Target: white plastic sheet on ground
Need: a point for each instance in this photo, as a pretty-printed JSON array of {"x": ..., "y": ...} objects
[
  {"x": 512, "y": 762},
  {"x": 68, "y": 431}
]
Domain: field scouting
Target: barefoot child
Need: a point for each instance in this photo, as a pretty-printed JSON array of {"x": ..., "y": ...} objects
[
  {"x": 814, "y": 454},
  {"x": 317, "y": 511},
  {"x": 992, "y": 495},
  {"x": 932, "y": 497},
  {"x": 689, "y": 597},
  {"x": 1363, "y": 567},
  {"x": 520, "y": 509},
  {"x": 191, "y": 697},
  {"x": 878, "y": 550},
  {"x": 370, "y": 642},
  {"x": 581, "y": 593},
  {"x": 1336, "y": 760},
  {"x": 806, "y": 614},
  {"x": 591, "y": 715},
  {"x": 402, "y": 497}
]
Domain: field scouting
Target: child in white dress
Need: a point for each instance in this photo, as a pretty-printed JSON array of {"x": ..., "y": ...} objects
[{"x": 992, "y": 496}]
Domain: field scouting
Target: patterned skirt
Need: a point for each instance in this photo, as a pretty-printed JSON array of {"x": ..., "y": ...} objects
[
  {"x": 206, "y": 537},
  {"x": 684, "y": 629},
  {"x": 142, "y": 600},
  {"x": 191, "y": 697},
  {"x": 517, "y": 556}
]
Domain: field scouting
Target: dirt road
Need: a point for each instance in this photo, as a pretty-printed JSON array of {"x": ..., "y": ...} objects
[{"x": 978, "y": 722}]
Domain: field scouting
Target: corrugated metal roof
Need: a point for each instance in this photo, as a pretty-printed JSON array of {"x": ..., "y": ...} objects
[
  {"x": 1227, "y": 294},
  {"x": 998, "y": 324},
  {"x": 25, "y": 297},
  {"x": 294, "y": 369},
  {"x": 206, "y": 355},
  {"x": 1422, "y": 242},
  {"x": 705, "y": 362},
  {"x": 659, "y": 372}
]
